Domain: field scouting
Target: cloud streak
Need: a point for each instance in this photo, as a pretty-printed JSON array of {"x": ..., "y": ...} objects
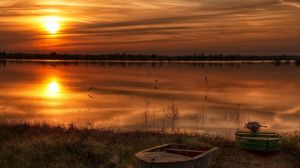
[
  {"x": 293, "y": 3},
  {"x": 184, "y": 25}
]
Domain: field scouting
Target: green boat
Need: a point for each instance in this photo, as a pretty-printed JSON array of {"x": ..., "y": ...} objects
[{"x": 258, "y": 141}]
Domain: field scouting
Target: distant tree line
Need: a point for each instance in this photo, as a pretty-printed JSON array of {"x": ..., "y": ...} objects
[{"x": 153, "y": 57}]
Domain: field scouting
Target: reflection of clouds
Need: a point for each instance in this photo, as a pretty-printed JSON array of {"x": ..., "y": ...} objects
[
  {"x": 294, "y": 110},
  {"x": 182, "y": 96},
  {"x": 119, "y": 93},
  {"x": 288, "y": 119},
  {"x": 293, "y": 3},
  {"x": 21, "y": 108}
]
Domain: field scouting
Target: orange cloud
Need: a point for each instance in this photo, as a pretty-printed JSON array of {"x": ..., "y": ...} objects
[
  {"x": 170, "y": 26},
  {"x": 294, "y": 3}
]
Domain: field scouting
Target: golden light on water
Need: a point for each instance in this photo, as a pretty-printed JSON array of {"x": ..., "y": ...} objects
[
  {"x": 52, "y": 24},
  {"x": 53, "y": 89}
]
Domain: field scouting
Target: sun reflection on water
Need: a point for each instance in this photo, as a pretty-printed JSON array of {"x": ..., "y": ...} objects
[{"x": 53, "y": 89}]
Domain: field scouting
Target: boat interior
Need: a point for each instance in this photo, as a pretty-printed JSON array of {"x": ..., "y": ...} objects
[{"x": 182, "y": 150}]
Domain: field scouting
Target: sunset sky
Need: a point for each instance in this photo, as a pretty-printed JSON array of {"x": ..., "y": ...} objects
[{"x": 156, "y": 26}]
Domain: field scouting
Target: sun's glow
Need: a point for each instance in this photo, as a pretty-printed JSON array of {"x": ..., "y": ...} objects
[
  {"x": 52, "y": 24},
  {"x": 53, "y": 89}
]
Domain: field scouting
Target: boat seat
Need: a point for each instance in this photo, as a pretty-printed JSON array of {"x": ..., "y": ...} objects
[{"x": 185, "y": 152}]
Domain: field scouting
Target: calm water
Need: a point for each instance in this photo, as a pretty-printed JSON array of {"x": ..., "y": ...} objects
[{"x": 215, "y": 97}]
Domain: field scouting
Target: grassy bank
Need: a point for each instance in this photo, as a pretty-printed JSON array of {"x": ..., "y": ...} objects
[
  {"x": 36, "y": 146},
  {"x": 291, "y": 143}
]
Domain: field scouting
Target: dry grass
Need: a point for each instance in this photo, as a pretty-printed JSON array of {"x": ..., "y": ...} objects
[
  {"x": 291, "y": 143},
  {"x": 34, "y": 146}
]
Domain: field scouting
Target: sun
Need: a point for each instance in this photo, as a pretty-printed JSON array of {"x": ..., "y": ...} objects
[
  {"x": 52, "y": 24},
  {"x": 53, "y": 87}
]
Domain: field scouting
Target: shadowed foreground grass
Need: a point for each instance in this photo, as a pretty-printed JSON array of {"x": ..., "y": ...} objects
[{"x": 38, "y": 146}]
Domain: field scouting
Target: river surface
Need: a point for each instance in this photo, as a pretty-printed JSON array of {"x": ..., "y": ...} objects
[{"x": 199, "y": 97}]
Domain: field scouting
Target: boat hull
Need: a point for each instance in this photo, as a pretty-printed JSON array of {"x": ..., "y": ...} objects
[
  {"x": 262, "y": 142},
  {"x": 205, "y": 160}
]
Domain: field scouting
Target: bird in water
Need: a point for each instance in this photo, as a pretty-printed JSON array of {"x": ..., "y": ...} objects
[
  {"x": 156, "y": 84},
  {"x": 206, "y": 79},
  {"x": 90, "y": 90}
]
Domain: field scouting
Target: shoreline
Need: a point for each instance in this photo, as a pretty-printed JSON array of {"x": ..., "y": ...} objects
[
  {"x": 148, "y": 57},
  {"x": 25, "y": 145}
]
